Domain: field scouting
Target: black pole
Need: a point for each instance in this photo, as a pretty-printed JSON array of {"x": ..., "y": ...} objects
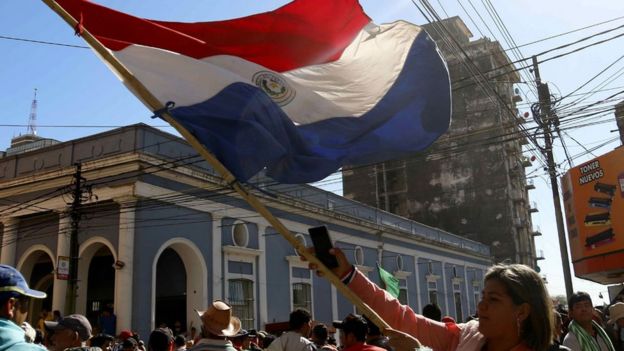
[
  {"x": 546, "y": 118},
  {"x": 74, "y": 214}
]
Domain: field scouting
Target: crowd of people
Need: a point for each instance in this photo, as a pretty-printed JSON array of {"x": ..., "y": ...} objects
[{"x": 514, "y": 314}]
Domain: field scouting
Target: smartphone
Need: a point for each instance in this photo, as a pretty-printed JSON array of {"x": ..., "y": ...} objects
[{"x": 322, "y": 245}]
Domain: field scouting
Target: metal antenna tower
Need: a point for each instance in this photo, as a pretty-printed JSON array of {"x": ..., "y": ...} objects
[{"x": 32, "y": 120}]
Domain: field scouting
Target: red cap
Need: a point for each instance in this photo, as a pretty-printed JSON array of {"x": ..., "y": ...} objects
[{"x": 125, "y": 334}]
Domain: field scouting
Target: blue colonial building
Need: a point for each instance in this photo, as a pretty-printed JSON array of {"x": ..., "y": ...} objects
[{"x": 162, "y": 235}]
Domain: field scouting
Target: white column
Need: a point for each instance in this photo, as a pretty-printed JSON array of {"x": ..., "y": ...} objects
[
  {"x": 125, "y": 258},
  {"x": 262, "y": 276},
  {"x": 217, "y": 258},
  {"x": 446, "y": 290},
  {"x": 9, "y": 241},
  {"x": 334, "y": 303},
  {"x": 59, "y": 293},
  {"x": 417, "y": 276},
  {"x": 468, "y": 292}
]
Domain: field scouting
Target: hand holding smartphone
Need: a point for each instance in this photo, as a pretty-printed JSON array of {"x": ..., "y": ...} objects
[{"x": 322, "y": 244}]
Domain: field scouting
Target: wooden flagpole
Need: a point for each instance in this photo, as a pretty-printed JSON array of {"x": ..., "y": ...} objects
[{"x": 229, "y": 178}]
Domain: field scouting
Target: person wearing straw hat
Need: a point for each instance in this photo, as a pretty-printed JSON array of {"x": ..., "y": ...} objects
[
  {"x": 15, "y": 298},
  {"x": 217, "y": 324},
  {"x": 616, "y": 318},
  {"x": 616, "y": 314}
]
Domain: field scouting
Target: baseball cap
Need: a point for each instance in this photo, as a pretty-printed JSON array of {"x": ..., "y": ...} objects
[
  {"x": 124, "y": 335},
  {"x": 12, "y": 281},
  {"x": 75, "y": 322}
]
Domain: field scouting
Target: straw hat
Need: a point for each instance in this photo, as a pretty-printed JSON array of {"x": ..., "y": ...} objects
[
  {"x": 616, "y": 311},
  {"x": 218, "y": 319}
]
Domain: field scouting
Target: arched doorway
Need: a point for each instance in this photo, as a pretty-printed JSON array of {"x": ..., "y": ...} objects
[
  {"x": 38, "y": 269},
  {"x": 97, "y": 262},
  {"x": 170, "y": 289},
  {"x": 179, "y": 283},
  {"x": 42, "y": 279}
]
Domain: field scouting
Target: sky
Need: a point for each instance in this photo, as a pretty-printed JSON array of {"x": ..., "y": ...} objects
[{"x": 76, "y": 92}]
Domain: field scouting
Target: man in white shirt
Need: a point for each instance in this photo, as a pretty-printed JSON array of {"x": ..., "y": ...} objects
[
  {"x": 300, "y": 323},
  {"x": 583, "y": 333}
]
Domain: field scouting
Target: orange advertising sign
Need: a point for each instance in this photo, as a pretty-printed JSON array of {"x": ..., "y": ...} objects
[{"x": 593, "y": 195}]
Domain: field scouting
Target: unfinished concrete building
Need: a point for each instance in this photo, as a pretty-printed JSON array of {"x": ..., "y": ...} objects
[{"x": 472, "y": 181}]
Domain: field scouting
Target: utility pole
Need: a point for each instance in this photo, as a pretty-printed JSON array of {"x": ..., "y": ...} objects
[
  {"x": 545, "y": 119},
  {"x": 74, "y": 214}
]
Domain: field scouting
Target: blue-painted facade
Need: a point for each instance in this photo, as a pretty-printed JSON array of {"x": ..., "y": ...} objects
[
  {"x": 199, "y": 225},
  {"x": 154, "y": 226}
]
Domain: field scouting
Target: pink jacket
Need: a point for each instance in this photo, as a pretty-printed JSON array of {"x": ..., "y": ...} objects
[{"x": 437, "y": 335}]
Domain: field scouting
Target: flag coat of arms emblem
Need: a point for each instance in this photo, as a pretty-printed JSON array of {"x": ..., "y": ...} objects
[{"x": 299, "y": 91}]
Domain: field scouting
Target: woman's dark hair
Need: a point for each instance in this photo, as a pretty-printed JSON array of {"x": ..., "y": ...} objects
[{"x": 524, "y": 285}]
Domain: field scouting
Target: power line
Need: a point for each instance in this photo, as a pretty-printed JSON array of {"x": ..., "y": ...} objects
[
  {"x": 599, "y": 102},
  {"x": 546, "y": 52},
  {"x": 43, "y": 42},
  {"x": 578, "y": 49},
  {"x": 182, "y": 200},
  {"x": 46, "y": 196},
  {"x": 595, "y": 89},
  {"x": 476, "y": 73},
  {"x": 592, "y": 78},
  {"x": 502, "y": 28},
  {"x": 579, "y": 144},
  {"x": 464, "y": 9},
  {"x": 481, "y": 18},
  {"x": 78, "y": 126},
  {"x": 461, "y": 147},
  {"x": 442, "y": 7},
  {"x": 470, "y": 17},
  {"x": 565, "y": 33}
]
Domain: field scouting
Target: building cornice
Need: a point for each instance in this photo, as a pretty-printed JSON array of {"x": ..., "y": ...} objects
[{"x": 196, "y": 177}]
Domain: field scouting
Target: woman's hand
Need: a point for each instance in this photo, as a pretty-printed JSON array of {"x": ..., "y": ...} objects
[{"x": 343, "y": 264}]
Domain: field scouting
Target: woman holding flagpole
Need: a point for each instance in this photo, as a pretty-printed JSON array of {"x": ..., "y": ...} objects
[{"x": 515, "y": 313}]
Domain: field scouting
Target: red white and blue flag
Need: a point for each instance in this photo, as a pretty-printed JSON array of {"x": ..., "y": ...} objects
[{"x": 301, "y": 90}]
